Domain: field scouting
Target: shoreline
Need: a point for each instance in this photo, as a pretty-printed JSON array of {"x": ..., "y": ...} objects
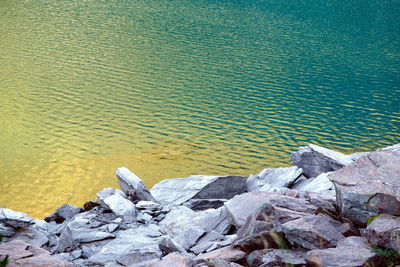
[{"x": 318, "y": 210}]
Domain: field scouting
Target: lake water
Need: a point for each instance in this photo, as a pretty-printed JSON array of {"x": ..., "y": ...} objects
[{"x": 170, "y": 88}]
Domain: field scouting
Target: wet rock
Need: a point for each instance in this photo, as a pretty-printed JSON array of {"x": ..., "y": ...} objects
[
  {"x": 15, "y": 218},
  {"x": 370, "y": 186},
  {"x": 228, "y": 253},
  {"x": 312, "y": 232},
  {"x": 204, "y": 204},
  {"x": 133, "y": 186},
  {"x": 315, "y": 160},
  {"x": 180, "y": 190},
  {"x": 172, "y": 259},
  {"x": 120, "y": 206},
  {"x": 343, "y": 256},
  {"x": 276, "y": 257},
  {"x": 130, "y": 247},
  {"x": 269, "y": 179},
  {"x": 6, "y": 231},
  {"x": 384, "y": 231},
  {"x": 63, "y": 213},
  {"x": 23, "y": 254}
]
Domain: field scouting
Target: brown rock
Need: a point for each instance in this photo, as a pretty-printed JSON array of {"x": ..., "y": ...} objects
[
  {"x": 384, "y": 231},
  {"x": 226, "y": 253}
]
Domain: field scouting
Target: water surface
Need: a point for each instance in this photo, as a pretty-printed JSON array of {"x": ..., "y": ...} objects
[{"x": 170, "y": 88}]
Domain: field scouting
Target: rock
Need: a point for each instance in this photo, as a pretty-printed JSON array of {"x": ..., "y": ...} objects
[
  {"x": 168, "y": 245},
  {"x": 343, "y": 256},
  {"x": 315, "y": 160},
  {"x": 23, "y": 254},
  {"x": 172, "y": 259},
  {"x": 129, "y": 247},
  {"x": 90, "y": 205},
  {"x": 370, "y": 186},
  {"x": 276, "y": 257},
  {"x": 204, "y": 204},
  {"x": 189, "y": 237},
  {"x": 180, "y": 190},
  {"x": 6, "y": 231},
  {"x": 312, "y": 232},
  {"x": 15, "y": 218},
  {"x": 384, "y": 231},
  {"x": 206, "y": 242},
  {"x": 63, "y": 213},
  {"x": 226, "y": 253},
  {"x": 31, "y": 235},
  {"x": 133, "y": 186},
  {"x": 354, "y": 242},
  {"x": 109, "y": 191},
  {"x": 320, "y": 184},
  {"x": 148, "y": 205},
  {"x": 272, "y": 178},
  {"x": 120, "y": 206}
]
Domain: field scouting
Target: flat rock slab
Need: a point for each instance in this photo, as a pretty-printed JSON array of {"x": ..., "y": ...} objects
[
  {"x": 132, "y": 185},
  {"x": 172, "y": 259},
  {"x": 180, "y": 190},
  {"x": 315, "y": 160},
  {"x": 226, "y": 253},
  {"x": 276, "y": 257},
  {"x": 271, "y": 178},
  {"x": 384, "y": 231},
  {"x": 15, "y": 218},
  {"x": 370, "y": 186},
  {"x": 312, "y": 232}
]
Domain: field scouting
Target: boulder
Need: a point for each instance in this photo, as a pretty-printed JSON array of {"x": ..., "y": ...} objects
[
  {"x": 320, "y": 184},
  {"x": 23, "y": 254},
  {"x": 168, "y": 245},
  {"x": 228, "y": 253},
  {"x": 276, "y": 257},
  {"x": 370, "y": 186},
  {"x": 204, "y": 204},
  {"x": 180, "y": 190},
  {"x": 15, "y": 218},
  {"x": 384, "y": 231},
  {"x": 109, "y": 191},
  {"x": 354, "y": 242},
  {"x": 312, "y": 232},
  {"x": 130, "y": 247},
  {"x": 269, "y": 179},
  {"x": 172, "y": 259},
  {"x": 120, "y": 206},
  {"x": 31, "y": 235},
  {"x": 6, "y": 231},
  {"x": 133, "y": 186},
  {"x": 63, "y": 213},
  {"x": 315, "y": 160}
]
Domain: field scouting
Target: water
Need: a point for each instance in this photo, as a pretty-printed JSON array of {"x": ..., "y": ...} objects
[{"x": 170, "y": 88}]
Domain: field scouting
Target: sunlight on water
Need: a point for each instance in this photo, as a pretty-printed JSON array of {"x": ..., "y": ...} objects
[{"x": 173, "y": 88}]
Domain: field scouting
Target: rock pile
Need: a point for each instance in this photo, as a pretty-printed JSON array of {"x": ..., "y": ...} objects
[{"x": 329, "y": 209}]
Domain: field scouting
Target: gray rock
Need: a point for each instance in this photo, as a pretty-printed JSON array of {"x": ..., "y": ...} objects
[
  {"x": 130, "y": 247},
  {"x": 206, "y": 242},
  {"x": 344, "y": 256},
  {"x": 15, "y": 218},
  {"x": 180, "y": 190},
  {"x": 109, "y": 191},
  {"x": 315, "y": 160},
  {"x": 370, "y": 186},
  {"x": 120, "y": 206},
  {"x": 172, "y": 259},
  {"x": 228, "y": 253},
  {"x": 6, "y": 231},
  {"x": 168, "y": 245},
  {"x": 204, "y": 204},
  {"x": 384, "y": 231},
  {"x": 148, "y": 205},
  {"x": 189, "y": 237},
  {"x": 320, "y": 184},
  {"x": 272, "y": 178},
  {"x": 31, "y": 235},
  {"x": 312, "y": 232},
  {"x": 143, "y": 218},
  {"x": 276, "y": 257},
  {"x": 354, "y": 242},
  {"x": 133, "y": 186},
  {"x": 63, "y": 213}
]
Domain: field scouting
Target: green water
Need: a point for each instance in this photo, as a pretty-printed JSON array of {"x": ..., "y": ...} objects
[{"x": 170, "y": 88}]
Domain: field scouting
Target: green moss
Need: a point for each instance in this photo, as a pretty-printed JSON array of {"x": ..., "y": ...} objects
[
  {"x": 390, "y": 257},
  {"x": 371, "y": 219}
]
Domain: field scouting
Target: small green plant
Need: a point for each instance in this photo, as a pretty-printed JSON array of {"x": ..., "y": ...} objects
[
  {"x": 371, "y": 219},
  {"x": 3, "y": 262},
  {"x": 390, "y": 257}
]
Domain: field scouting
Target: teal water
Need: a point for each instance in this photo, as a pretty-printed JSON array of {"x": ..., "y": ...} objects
[{"x": 172, "y": 88}]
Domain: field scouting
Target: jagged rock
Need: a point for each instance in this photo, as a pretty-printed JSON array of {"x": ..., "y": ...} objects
[
  {"x": 31, "y": 235},
  {"x": 15, "y": 218},
  {"x": 276, "y": 257},
  {"x": 354, "y": 242},
  {"x": 312, "y": 232},
  {"x": 343, "y": 256},
  {"x": 206, "y": 242},
  {"x": 120, "y": 206},
  {"x": 6, "y": 231},
  {"x": 320, "y": 184},
  {"x": 109, "y": 191},
  {"x": 172, "y": 259},
  {"x": 269, "y": 179},
  {"x": 63, "y": 213},
  {"x": 315, "y": 160},
  {"x": 370, "y": 186},
  {"x": 384, "y": 231},
  {"x": 180, "y": 190},
  {"x": 168, "y": 245},
  {"x": 204, "y": 204},
  {"x": 130, "y": 247},
  {"x": 228, "y": 253},
  {"x": 133, "y": 186},
  {"x": 23, "y": 254}
]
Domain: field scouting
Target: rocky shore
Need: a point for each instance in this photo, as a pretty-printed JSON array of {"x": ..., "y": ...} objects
[{"x": 329, "y": 209}]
